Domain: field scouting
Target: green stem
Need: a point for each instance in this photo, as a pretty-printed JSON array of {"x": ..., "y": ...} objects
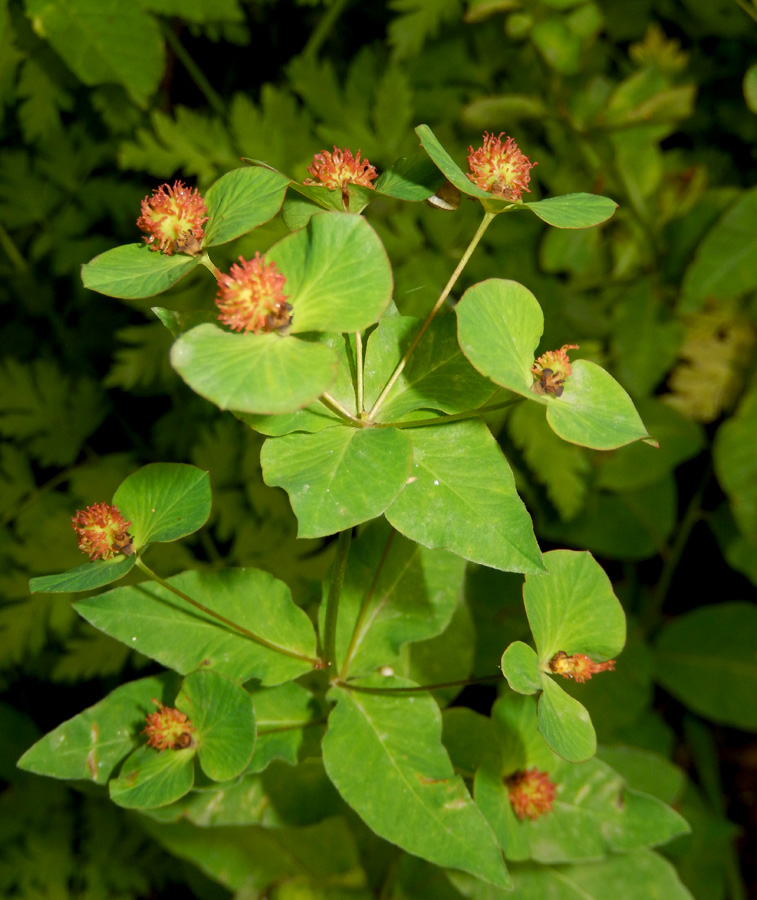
[
  {"x": 690, "y": 518},
  {"x": 458, "y": 417},
  {"x": 316, "y": 663},
  {"x": 337, "y": 407},
  {"x": 332, "y": 603},
  {"x": 322, "y": 29},
  {"x": 359, "y": 366},
  {"x": 206, "y": 261},
  {"x": 749, "y": 10},
  {"x": 12, "y": 251},
  {"x": 364, "y": 608},
  {"x": 361, "y": 689},
  {"x": 194, "y": 71},
  {"x": 485, "y": 223}
]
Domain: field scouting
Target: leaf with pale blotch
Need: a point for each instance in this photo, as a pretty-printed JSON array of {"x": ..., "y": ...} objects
[
  {"x": 90, "y": 745},
  {"x": 413, "y": 797}
]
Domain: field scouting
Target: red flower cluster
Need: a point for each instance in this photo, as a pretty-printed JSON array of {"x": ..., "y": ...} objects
[
  {"x": 101, "y": 530},
  {"x": 168, "y": 728},
  {"x": 250, "y": 298},
  {"x": 340, "y": 168},
  {"x": 501, "y": 169},
  {"x": 531, "y": 793},
  {"x": 578, "y": 667},
  {"x": 172, "y": 219},
  {"x": 551, "y": 369}
]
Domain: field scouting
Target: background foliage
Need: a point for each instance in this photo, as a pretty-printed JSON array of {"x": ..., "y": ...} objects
[{"x": 652, "y": 103}]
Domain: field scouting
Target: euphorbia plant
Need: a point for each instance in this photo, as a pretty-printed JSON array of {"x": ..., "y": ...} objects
[{"x": 377, "y": 428}]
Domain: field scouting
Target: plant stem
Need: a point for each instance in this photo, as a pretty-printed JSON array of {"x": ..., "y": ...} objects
[
  {"x": 458, "y": 417},
  {"x": 749, "y": 10},
  {"x": 364, "y": 607},
  {"x": 421, "y": 688},
  {"x": 337, "y": 407},
  {"x": 206, "y": 261},
  {"x": 316, "y": 663},
  {"x": 194, "y": 72},
  {"x": 485, "y": 223},
  {"x": 332, "y": 603},
  {"x": 322, "y": 29},
  {"x": 359, "y": 366}
]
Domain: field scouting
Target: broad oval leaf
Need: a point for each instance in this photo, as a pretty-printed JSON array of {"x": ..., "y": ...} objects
[
  {"x": 150, "y": 778},
  {"x": 706, "y": 658},
  {"x": 224, "y": 723},
  {"x": 499, "y": 326},
  {"x": 90, "y": 745},
  {"x": 574, "y": 210},
  {"x": 723, "y": 265},
  {"x": 240, "y": 201},
  {"x": 338, "y": 477},
  {"x": 154, "y": 620},
  {"x": 461, "y": 497},
  {"x": 565, "y": 724},
  {"x": 573, "y": 608},
  {"x": 447, "y": 166},
  {"x": 253, "y": 373},
  {"x": 164, "y": 502},
  {"x": 411, "y": 178},
  {"x": 86, "y": 577},
  {"x": 282, "y": 714},
  {"x": 338, "y": 274},
  {"x": 413, "y": 797},
  {"x": 520, "y": 666},
  {"x": 133, "y": 271}
]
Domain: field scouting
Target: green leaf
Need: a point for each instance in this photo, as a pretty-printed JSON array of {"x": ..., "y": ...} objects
[
  {"x": 520, "y": 666},
  {"x": 150, "y": 778},
  {"x": 559, "y": 47},
  {"x": 224, "y": 722},
  {"x": 499, "y": 324},
  {"x": 394, "y": 592},
  {"x": 437, "y": 375},
  {"x": 750, "y": 87},
  {"x": 461, "y": 497},
  {"x": 104, "y": 42},
  {"x": 164, "y": 502},
  {"x": 86, "y": 577},
  {"x": 413, "y": 798},
  {"x": 338, "y": 275},
  {"x": 317, "y": 415},
  {"x": 736, "y": 464},
  {"x": 281, "y": 714},
  {"x": 411, "y": 178},
  {"x": 565, "y": 724},
  {"x": 254, "y": 373},
  {"x": 574, "y": 210},
  {"x": 90, "y": 745},
  {"x": 240, "y": 201},
  {"x": 723, "y": 265},
  {"x": 253, "y": 858},
  {"x": 450, "y": 169},
  {"x": 133, "y": 271},
  {"x": 573, "y": 608},
  {"x": 633, "y": 876},
  {"x": 338, "y": 477},
  {"x": 163, "y": 626},
  {"x": 706, "y": 659}
]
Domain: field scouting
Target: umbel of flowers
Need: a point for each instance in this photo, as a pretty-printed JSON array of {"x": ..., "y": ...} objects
[
  {"x": 251, "y": 298},
  {"x": 102, "y": 531},
  {"x": 338, "y": 169},
  {"x": 500, "y": 168}
]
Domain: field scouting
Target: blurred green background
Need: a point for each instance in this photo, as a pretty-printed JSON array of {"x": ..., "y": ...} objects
[{"x": 653, "y": 103}]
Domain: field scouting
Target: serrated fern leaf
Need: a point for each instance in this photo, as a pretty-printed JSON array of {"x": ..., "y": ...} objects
[
  {"x": 91, "y": 655},
  {"x": 43, "y": 98},
  {"x": 141, "y": 362},
  {"x": 50, "y": 413}
]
